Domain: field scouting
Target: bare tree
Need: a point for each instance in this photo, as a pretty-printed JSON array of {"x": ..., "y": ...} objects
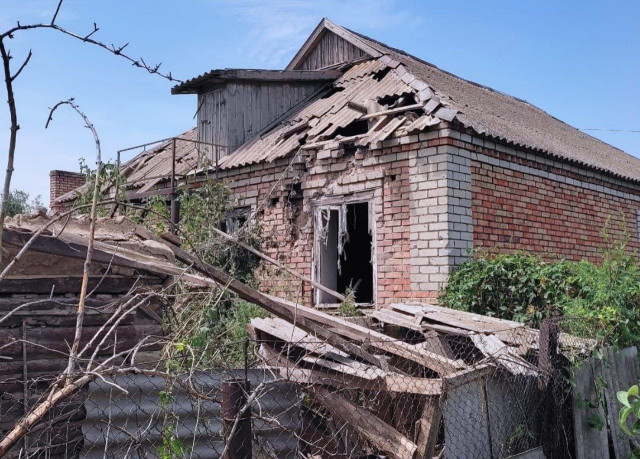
[
  {"x": 92, "y": 230},
  {"x": 10, "y": 77}
]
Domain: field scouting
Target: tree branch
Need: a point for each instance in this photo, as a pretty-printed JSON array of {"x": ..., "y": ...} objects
[
  {"x": 24, "y": 64},
  {"x": 92, "y": 231},
  {"x": 55, "y": 15}
]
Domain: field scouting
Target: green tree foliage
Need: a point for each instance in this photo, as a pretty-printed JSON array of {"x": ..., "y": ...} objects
[
  {"x": 523, "y": 287},
  {"x": 208, "y": 327},
  {"x": 19, "y": 202},
  {"x": 109, "y": 177}
]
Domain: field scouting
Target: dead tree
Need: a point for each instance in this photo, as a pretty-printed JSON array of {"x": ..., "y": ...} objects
[
  {"x": 10, "y": 77},
  {"x": 92, "y": 230}
]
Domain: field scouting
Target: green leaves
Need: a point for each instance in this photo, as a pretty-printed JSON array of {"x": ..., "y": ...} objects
[
  {"x": 630, "y": 406},
  {"x": 604, "y": 299}
]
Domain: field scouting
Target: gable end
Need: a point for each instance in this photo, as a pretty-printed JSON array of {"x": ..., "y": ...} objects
[{"x": 329, "y": 45}]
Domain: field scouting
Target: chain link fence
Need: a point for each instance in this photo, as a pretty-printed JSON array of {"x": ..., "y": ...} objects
[{"x": 292, "y": 394}]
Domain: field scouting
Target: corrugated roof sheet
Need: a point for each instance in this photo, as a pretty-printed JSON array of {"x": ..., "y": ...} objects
[
  {"x": 325, "y": 114},
  {"x": 513, "y": 120},
  {"x": 153, "y": 166},
  {"x": 444, "y": 95}
]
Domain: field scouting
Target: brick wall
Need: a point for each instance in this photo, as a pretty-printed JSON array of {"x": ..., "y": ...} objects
[
  {"x": 524, "y": 201},
  {"x": 61, "y": 182},
  {"x": 434, "y": 197},
  {"x": 418, "y": 205}
]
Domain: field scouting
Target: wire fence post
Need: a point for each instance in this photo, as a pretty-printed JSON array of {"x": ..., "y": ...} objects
[
  {"x": 238, "y": 439},
  {"x": 548, "y": 364},
  {"x": 175, "y": 204}
]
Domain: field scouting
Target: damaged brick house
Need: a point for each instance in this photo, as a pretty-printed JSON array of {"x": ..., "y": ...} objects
[{"x": 369, "y": 166}]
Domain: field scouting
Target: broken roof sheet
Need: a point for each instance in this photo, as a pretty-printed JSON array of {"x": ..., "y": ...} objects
[
  {"x": 221, "y": 75},
  {"x": 153, "y": 167},
  {"x": 320, "y": 119},
  {"x": 512, "y": 120}
]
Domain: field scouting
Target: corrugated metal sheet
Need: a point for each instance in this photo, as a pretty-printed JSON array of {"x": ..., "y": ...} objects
[
  {"x": 509, "y": 119},
  {"x": 122, "y": 425},
  {"x": 325, "y": 114}
]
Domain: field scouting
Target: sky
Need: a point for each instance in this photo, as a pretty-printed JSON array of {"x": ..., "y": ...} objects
[{"x": 577, "y": 60}]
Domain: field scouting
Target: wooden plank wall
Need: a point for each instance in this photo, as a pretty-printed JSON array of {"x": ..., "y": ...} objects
[
  {"x": 212, "y": 121},
  {"x": 331, "y": 50},
  {"x": 596, "y": 383},
  {"x": 236, "y": 113},
  {"x": 48, "y": 327}
]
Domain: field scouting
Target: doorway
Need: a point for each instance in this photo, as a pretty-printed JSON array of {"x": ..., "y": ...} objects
[{"x": 345, "y": 251}]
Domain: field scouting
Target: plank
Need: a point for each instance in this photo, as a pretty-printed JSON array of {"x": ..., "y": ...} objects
[
  {"x": 283, "y": 330},
  {"x": 347, "y": 371},
  {"x": 617, "y": 378},
  {"x": 466, "y": 421},
  {"x": 67, "y": 284},
  {"x": 427, "y": 428},
  {"x": 506, "y": 330},
  {"x": 369, "y": 426},
  {"x": 589, "y": 442},
  {"x": 493, "y": 348}
]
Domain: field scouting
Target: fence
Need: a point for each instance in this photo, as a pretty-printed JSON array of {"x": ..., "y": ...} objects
[{"x": 499, "y": 394}]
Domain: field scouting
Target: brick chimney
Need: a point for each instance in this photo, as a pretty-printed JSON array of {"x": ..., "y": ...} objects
[{"x": 61, "y": 182}]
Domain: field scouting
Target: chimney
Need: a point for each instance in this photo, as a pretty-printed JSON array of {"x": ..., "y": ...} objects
[{"x": 61, "y": 182}]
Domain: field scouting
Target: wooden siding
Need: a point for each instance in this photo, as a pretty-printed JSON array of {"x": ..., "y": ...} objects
[
  {"x": 212, "y": 118},
  {"x": 331, "y": 50},
  {"x": 234, "y": 114}
]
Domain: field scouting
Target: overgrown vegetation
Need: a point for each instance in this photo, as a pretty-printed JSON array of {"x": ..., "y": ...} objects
[
  {"x": 349, "y": 307},
  {"x": 19, "y": 202},
  {"x": 110, "y": 178},
  {"x": 207, "y": 327},
  {"x": 523, "y": 287}
]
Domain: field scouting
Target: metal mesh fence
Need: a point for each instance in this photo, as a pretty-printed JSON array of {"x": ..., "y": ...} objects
[{"x": 455, "y": 394}]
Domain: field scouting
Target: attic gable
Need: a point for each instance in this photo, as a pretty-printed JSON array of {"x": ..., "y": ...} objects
[{"x": 329, "y": 45}]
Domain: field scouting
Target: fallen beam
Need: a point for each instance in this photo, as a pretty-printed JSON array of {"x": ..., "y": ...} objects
[
  {"x": 369, "y": 426},
  {"x": 334, "y": 330},
  {"x": 345, "y": 374}
]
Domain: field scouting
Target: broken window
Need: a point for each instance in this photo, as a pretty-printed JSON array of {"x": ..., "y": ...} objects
[
  {"x": 344, "y": 258},
  {"x": 234, "y": 219}
]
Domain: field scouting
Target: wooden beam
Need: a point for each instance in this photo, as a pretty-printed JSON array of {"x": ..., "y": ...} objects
[
  {"x": 383, "y": 436},
  {"x": 66, "y": 284},
  {"x": 347, "y": 373},
  {"x": 427, "y": 428}
]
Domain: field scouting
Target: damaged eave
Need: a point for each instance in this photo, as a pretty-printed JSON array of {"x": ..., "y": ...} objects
[{"x": 214, "y": 77}]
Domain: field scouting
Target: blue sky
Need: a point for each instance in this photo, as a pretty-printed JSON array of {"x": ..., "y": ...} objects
[{"x": 578, "y": 60}]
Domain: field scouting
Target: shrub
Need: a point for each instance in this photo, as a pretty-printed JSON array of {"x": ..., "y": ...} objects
[
  {"x": 603, "y": 298},
  {"x": 516, "y": 286},
  {"x": 18, "y": 203}
]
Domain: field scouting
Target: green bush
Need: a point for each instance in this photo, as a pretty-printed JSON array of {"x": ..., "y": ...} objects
[
  {"x": 18, "y": 202},
  {"x": 516, "y": 286},
  {"x": 604, "y": 297}
]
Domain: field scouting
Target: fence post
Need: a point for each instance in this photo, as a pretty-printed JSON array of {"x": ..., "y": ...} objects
[
  {"x": 234, "y": 397},
  {"x": 548, "y": 364},
  {"x": 548, "y": 345},
  {"x": 175, "y": 204}
]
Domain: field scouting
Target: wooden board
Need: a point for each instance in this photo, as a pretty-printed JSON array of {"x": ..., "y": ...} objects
[
  {"x": 466, "y": 423},
  {"x": 619, "y": 373},
  {"x": 590, "y": 442},
  {"x": 493, "y": 348}
]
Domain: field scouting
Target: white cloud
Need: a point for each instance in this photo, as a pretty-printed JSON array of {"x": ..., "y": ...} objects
[{"x": 277, "y": 28}]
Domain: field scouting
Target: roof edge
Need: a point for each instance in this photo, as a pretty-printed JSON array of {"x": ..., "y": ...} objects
[
  {"x": 327, "y": 25},
  {"x": 224, "y": 75}
]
